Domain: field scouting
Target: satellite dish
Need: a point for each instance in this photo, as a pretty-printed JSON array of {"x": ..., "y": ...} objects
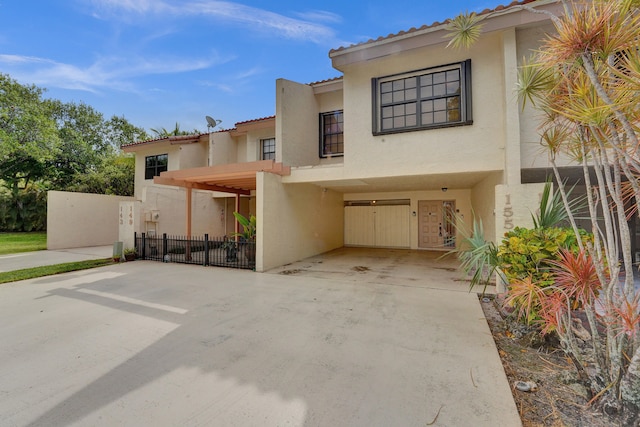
[{"x": 211, "y": 122}]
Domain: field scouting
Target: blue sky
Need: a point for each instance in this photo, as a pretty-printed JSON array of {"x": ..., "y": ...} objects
[{"x": 158, "y": 62}]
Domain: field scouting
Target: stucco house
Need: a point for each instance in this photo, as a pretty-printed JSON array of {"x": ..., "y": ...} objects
[{"x": 412, "y": 137}]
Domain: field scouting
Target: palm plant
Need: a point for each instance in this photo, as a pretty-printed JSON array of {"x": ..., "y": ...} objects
[
  {"x": 248, "y": 226},
  {"x": 585, "y": 79},
  {"x": 479, "y": 257},
  {"x": 552, "y": 207}
]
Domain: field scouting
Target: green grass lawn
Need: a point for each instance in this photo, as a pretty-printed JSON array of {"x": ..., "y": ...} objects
[
  {"x": 11, "y": 243},
  {"x": 48, "y": 270}
]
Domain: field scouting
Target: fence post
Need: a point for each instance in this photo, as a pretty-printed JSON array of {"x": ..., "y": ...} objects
[
  {"x": 206, "y": 250},
  {"x": 144, "y": 246},
  {"x": 164, "y": 246}
]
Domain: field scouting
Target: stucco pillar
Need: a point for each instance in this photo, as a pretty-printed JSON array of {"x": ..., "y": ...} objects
[
  {"x": 515, "y": 205},
  {"x": 128, "y": 222},
  {"x": 512, "y": 108}
]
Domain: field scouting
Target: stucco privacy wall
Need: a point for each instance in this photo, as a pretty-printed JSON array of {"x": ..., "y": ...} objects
[
  {"x": 76, "y": 220},
  {"x": 295, "y": 221},
  {"x": 296, "y": 124}
]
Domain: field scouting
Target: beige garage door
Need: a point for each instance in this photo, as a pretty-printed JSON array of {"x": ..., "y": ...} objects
[{"x": 377, "y": 226}]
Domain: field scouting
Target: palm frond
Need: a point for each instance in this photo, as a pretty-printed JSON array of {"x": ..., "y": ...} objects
[{"x": 464, "y": 30}]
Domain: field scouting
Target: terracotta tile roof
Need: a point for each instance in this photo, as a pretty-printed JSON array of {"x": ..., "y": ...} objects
[
  {"x": 325, "y": 81},
  {"x": 165, "y": 138},
  {"x": 255, "y": 120},
  {"x": 433, "y": 25}
]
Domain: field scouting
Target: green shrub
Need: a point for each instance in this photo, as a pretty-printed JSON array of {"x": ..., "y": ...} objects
[
  {"x": 25, "y": 210},
  {"x": 527, "y": 252}
]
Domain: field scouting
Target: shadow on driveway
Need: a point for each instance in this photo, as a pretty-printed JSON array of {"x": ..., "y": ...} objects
[{"x": 147, "y": 343}]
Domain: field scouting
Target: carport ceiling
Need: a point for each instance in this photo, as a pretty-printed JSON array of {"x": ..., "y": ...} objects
[{"x": 407, "y": 183}]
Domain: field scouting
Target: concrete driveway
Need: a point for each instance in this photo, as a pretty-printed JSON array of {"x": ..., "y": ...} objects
[
  {"x": 396, "y": 267},
  {"x": 147, "y": 343}
]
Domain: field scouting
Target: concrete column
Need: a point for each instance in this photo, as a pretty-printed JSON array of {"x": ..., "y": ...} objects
[
  {"x": 514, "y": 206},
  {"x": 512, "y": 109}
]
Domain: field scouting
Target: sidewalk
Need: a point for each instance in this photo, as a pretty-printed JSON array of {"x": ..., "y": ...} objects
[{"x": 24, "y": 260}]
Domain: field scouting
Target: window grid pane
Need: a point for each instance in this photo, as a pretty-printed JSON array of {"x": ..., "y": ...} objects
[
  {"x": 332, "y": 127},
  {"x": 154, "y": 165},
  {"x": 424, "y": 100},
  {"x": 268, "y": 148}
]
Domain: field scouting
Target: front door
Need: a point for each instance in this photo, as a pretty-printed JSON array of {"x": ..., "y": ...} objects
[{"x": 435, "y": 224}]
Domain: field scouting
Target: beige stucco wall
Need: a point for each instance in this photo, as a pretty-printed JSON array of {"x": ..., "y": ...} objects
[
  {"x": 533, "y": 154},
  {"x": 253, "y": 141},
  {"x": 181, "y": 156},
  {"x": 295, "y": 221},
  {"x": 169, "y": 203},
  {"x": 194, "y": 155},
  {"x": 479, "y": 147},
  {"x": 514, "y": 206},
  {"x": 151, "y": 150},
  {"x": 296, "y": 124},
  {"x": 462, "y": 200},
  {"x": 79, "y": 220},
  {"x": 222, "y": 149},
  {"x": 483, "y": 200}
]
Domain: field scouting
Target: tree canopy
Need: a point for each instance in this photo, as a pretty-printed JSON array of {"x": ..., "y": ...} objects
[
  {"x": 55, "y": 145},
  {"x": 47, "y": 144}
]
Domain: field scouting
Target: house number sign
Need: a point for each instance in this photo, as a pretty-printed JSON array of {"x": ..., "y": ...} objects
[
  {"x": 123, "y": 215},
  {"x": 507, "y": 213}
]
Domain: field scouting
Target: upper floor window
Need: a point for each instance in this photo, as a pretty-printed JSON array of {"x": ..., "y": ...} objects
[
  {"x": 331, "y": 134},
  {"x": 430, "y": 98},
  {"x": 268, "y": 149},
  {"x": 153, "y": 165}
]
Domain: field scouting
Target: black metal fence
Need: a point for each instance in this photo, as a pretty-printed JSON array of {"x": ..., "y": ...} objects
[{"x": 219, "y": 252}]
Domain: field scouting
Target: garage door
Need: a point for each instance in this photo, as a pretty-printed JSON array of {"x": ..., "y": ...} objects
[{"x": 377, "y": 225}]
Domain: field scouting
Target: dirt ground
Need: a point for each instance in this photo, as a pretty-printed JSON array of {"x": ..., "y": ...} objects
[{"x": 558, "y": 399}]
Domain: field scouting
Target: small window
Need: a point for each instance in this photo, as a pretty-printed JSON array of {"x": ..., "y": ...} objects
[
  {"x": 331, "y": 134},
  {"x": 431, "y": 98},
  {"x": 154, "y": 165},
  {"x": 268, "y": 147}
]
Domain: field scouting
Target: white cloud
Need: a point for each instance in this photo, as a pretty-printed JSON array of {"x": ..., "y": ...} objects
[
  {"x": 137, "y": 6},
  {"x": 105, "y": 73},
  {"x": 251, "y": 17},
  {"x": 320, "y": 16}
]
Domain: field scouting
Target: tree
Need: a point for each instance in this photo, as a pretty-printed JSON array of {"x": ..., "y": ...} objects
[
  {"x": 28, "y": 134},
  {"x": 81, "y": 131},
  {"x": 114, "y": 176},
  {"x": 585, "y": 80},
  {"x": 120, "y": 132},
  {"x": 163, "y": 132},
  {"x": 47, "y": 144}
]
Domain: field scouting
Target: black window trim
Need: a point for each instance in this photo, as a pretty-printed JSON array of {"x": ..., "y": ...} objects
[
  {"x": 321, "y": 135},
  {"x": 262, "y": 152},
  {"x": 466, "y": 99},
  {"x": 155, "y": 168}
]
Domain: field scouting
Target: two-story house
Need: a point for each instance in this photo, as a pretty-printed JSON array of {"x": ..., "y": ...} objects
[{"x": 412, "y": 138}]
